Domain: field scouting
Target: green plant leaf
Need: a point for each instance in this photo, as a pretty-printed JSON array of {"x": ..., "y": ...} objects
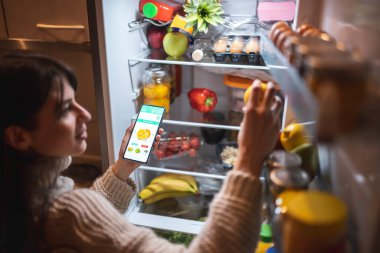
[
  {"x": 190, "y": 9},
  {"x": 202, "y": 27},
  {"x": 218, "y": 19},
  {"x": 191, "y": 17},
  {"x": 200, "y": 22},
  {"x": 210, "y": 21},
  {"x": 215, "y": 5},
  {"x": 188, "y": 25}
]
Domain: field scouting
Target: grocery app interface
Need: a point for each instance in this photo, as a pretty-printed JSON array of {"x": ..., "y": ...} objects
[{"x": 143, "y": 134}]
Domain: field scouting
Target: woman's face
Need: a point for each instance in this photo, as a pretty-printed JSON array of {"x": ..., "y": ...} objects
[{"x": 63, "y": 134}]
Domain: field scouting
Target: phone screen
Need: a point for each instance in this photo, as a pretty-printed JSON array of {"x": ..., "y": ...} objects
[{"x": 144, "y": 133}]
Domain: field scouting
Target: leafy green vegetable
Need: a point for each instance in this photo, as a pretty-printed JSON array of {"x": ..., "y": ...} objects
[{"x": 176, "y": 237}]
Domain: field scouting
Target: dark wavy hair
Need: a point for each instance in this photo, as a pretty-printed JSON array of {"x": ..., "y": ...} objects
[{"x": 25, "y": 83}]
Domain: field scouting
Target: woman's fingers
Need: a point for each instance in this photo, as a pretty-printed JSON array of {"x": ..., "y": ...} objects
[
  {"x": 276, "y": 105},
  {"x": 269, "y": 94},
  {"x": 158, "y": 138},
  {"x": 256, "y": 92}
]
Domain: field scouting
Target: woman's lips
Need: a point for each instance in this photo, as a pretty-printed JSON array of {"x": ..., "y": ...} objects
[{"x": 82, "y": 133}]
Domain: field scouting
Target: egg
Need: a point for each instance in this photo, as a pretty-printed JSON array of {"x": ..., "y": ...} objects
[
  {"x": 237, "y": 45},
  {"x": 252, "y": 46},
  {"x": 220, "y": 45}
]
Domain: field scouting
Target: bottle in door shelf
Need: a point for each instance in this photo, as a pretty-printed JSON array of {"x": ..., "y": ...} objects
[
  {"x": 265, "y": 238},
  {"x": 176, "y": 72},
  {"x": 313, "y": 222},
  {"x": 160, "y": 10}
]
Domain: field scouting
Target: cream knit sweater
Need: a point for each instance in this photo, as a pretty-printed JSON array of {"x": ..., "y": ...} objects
[{"x": 90, "y": 220}]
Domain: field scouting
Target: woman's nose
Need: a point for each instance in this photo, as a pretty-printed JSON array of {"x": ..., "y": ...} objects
[{"x": 83, "y": 113}]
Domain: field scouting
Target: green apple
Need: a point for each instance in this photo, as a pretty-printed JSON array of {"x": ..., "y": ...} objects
[
  {"x": 175, "y": 44},
  {"x": 309, "y": 155}
]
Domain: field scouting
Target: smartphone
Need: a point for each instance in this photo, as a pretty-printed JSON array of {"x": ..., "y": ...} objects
[{"x": 144, "y": 133}]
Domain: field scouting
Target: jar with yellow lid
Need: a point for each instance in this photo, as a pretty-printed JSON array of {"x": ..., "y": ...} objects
[
  {"x": 312, "y": 221},
  {"x": 281, "y": 201}
]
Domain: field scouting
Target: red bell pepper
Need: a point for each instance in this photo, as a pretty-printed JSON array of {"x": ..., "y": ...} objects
[{"x": 202, "y": 99}]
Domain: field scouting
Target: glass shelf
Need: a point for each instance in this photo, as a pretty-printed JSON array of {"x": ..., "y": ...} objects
[
  {"x": 300, "y": 99},
  {"x": 159, "y": 56},
  {"x": 204, "y": 164},
  {"x": 181, "y": 114}
]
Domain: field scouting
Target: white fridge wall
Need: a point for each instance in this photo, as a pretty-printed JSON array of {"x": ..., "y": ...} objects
[{"x": 120, "y": 45}]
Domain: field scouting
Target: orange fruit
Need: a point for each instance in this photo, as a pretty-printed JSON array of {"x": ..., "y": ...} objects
[
  {"x": 143, "y": 134},
  {"x": 293, "y": 136},
  {"x": 248, "y": 91},
  {"x": 156, "y": 91}
]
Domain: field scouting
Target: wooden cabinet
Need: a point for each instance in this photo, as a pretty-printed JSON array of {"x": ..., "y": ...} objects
[
  {"x": 3, "y": 30},
  {"x": 48, "y": 20}
]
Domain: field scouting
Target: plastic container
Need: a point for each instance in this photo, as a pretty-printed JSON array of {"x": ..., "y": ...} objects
[
  {"x": 237, "y": 86},
  {"x": 157, "y": 87},
  {"x": 160, "y": 10},
  {"x": 191, "y": 207}
]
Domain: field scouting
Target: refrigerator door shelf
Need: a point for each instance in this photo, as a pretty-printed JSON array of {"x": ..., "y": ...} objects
[
  {"x": 299, "y": 96},
  {"x": 183, "y": 172}
]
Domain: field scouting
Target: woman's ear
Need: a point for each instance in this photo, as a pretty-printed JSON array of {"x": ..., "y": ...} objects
[{"x": 17, "y": 137}]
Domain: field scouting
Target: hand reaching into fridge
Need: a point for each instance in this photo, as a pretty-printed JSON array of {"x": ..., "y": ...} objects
[
  {"x": 259, "y": 128},
  {"x": 123, "y": 167}
]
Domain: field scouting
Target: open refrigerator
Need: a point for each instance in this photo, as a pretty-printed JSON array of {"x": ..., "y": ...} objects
[{"x": 121, "y": 54}]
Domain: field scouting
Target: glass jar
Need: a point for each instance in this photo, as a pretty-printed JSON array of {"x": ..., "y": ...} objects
[
  {"x": 279, "y": 159},
  {"x": 313, "y": 222},
  {"x": 339, "y": 82},
  {"x": 156, "y": 85},
  {"x": 316, "y": 47},
  {"x": 287, "y": 179}
]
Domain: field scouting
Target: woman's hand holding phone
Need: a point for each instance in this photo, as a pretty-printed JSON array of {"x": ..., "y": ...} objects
[{"x": 123, "y": 167}]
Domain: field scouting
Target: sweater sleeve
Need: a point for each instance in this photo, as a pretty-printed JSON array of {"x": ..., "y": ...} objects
[
  {"x": 117, "y": 191},
  {"x": 93, "y": 225}
]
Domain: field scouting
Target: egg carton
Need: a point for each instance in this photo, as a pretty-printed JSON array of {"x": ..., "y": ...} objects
[{"x": 238, "y": 50}]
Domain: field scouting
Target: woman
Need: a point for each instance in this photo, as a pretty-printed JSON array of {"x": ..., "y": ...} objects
[{"x": 43, "y": 125}]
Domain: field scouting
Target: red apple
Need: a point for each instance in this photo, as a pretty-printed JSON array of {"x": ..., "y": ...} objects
[{"x": 155, "y": 36}]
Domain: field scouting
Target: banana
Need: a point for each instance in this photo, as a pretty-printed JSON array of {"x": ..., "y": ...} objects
[
  {"x": 169, "y": 183},
  {"x": 160, "y": 196},
  {"x": 189, "y": 179},
  {"x": 145, "y": 193}
]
